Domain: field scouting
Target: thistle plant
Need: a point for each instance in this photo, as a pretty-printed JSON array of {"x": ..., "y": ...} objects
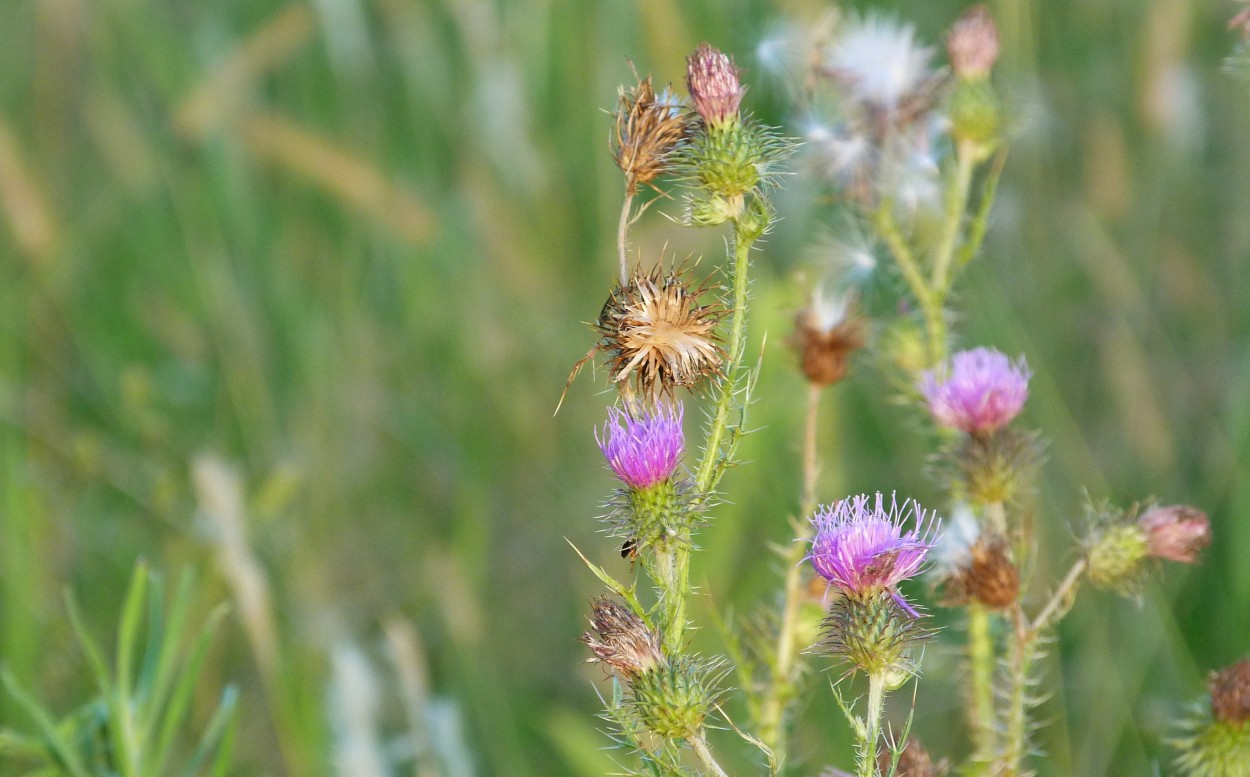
[{"x": 913, "y": 153}]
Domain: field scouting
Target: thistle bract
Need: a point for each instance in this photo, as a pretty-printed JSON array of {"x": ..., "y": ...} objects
[
  {"x": 861, "y": 548},
  {"x": 643, "y": 451},
  {"x": 978, "y": 392}
]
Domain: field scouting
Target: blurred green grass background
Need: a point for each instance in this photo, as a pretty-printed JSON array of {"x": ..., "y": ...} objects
[{"x": 288, "y": 293}]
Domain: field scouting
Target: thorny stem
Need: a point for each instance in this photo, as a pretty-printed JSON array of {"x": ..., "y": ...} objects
[
  {"x": 713, "y": 464},
  {"x": 1051, "y": 607},
  {"x": 981, "y": 657},
  {"x": 781, "y": 684},
  {"x": 1021, "y": 654},
  {"x": 621, "y": 231},
  {"x": 1024, "y": 638},
  {"x": 928, "y": 298},
  {"x": 698, "y": 744},
  {"x": 956, "y": 203},
  {"x": 876, "y": 704}
]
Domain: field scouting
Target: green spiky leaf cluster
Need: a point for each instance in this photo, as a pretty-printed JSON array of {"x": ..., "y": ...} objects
[{"x": 135, "y": 725}]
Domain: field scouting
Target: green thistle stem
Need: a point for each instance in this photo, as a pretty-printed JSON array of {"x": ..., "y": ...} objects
[
  {"x": 1017, "y": 714},
  {"x": 926, "y": 297},
  {"x": 622, "y": 231},
  {"x": 713, "y": 463},
  {"x": 781, "y": 686},
  {"x": 981, "y": 658},
  {"x": 672, "y": 574},
  {"x": 699, "y": 745},
  {"x": 876, "y": 706},
  {"x": 956, "y": 204}
]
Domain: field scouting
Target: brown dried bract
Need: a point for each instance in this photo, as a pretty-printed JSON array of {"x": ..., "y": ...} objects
[
  {"x": 658, "y": 334},
  {"x": 992, "y": 577},
  {"x": 647, "y": 133}
]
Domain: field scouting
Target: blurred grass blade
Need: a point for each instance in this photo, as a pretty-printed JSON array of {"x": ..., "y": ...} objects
[
  {"x": 220, "y": 729},
  {"x": 180, "y": 700},
  {"x": 56, "y": 745}
]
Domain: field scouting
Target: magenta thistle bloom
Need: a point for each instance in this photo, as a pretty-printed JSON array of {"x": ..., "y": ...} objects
[
  {"x": 862, "y": 549},
  {"x": 979, "y": 391},
  {"x": 643, "y": 451}
]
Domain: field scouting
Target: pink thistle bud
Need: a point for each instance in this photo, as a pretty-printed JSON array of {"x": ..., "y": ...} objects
[
  {"x": 1176, "y": 532},
  {"x": 973, "y": 44},
  {"x": 643, "y": 451},
  {"x": 979, "y": 391},
  {"x": 712, "y": 79},
  {"x": 862, "y": 550}
]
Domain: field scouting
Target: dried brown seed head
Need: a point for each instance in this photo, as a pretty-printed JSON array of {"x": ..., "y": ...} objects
[
  {"x": 825, "y": 342},
  {"x": 992, "y": 577},
  {"x": 659, "y": 335},
  {"x": 914, "y": 761},
  {"x": 621, "y": 640},
  {"x": 648, "y": 131},
  {"x": 1230, "y": 693}
]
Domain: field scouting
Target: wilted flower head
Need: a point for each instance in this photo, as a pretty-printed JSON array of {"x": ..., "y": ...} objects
[
  {"x": 658, "y": 333},
  {"x": 645, "y": 450},
  {"x": 979, "y": 391},
  {"x": 1176, "y": 532},
  {"x": 973, "y": 43},
  {"x": 648, "y": 130},
  {"x": 622, "y": 640},
  {"x": 861, "y": 548},
  {"x": 914, "y": 761},
  {"x": 1218, "y": 744},
  {"x": 1230, "y": 693},
  {"x": 825, "y": 335},
  {"x": 880, "y": 64},
  {"x": 712, "y": 79}
]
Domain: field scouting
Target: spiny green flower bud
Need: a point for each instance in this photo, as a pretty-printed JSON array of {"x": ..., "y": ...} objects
[
  {"x": 875, "y": 635},
  {"x": 1218, "y": 744},
  {"x": 1116, "y": 557},
  {"x": 657, "y": 513},
  {"x": 754, "y": 221},
  {"x": 975, "y": 114},
  {"x": 998, "y": 467},
  {"x": 673, "y": 700}
]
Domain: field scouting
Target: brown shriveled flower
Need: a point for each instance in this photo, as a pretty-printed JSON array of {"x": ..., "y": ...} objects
[
  {"x": 1176, "y": 532},
  {"x": 657, "y": 332},
  {"x": 914, "y": 761},
  {"x": 825, "y": 335},
  {"x": 1230, "y": 693},
  {"x": 648, "y": 130},
  {"x": 992, "y": 577},
  {"x": 621, "y": 640},
  {"x": 712, "y": 78},
  {"x": 973, "y": 44}
]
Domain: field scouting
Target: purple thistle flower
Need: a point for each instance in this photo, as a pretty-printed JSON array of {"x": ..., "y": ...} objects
[
  {"x": 643, "y": 451},
  {"x": 978, "y": 391},
  {"x": 861, "y": 549}
]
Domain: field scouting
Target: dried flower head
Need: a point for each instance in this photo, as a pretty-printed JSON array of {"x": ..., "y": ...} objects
[
  {"x": 991, "y": 576},
  {"x": 973, "y": 44},
  {"x": 1175, "y": 532},
  {"x": 913, "y": 762},
  {"x": 1217, "y": 744},
  {"x": 825, "y": 335},
  {"x": 657, "y": 332},
  {"x": 715, "y": 89},
  {"x": 648, "y": 130},
  {"x": 622, "y": 640},
  {"x": 861, "y": 548},
  {"x": 979, "y": 391},
  {"x": 645, "y": 450},
  {"x": 1230, "y": 693}
]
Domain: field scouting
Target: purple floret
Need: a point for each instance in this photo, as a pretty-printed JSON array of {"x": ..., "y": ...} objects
[
  {"x": 979, "y": 392},
  {"x": 862, "y": 550},
  {"x": 643, "y": 451}
]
